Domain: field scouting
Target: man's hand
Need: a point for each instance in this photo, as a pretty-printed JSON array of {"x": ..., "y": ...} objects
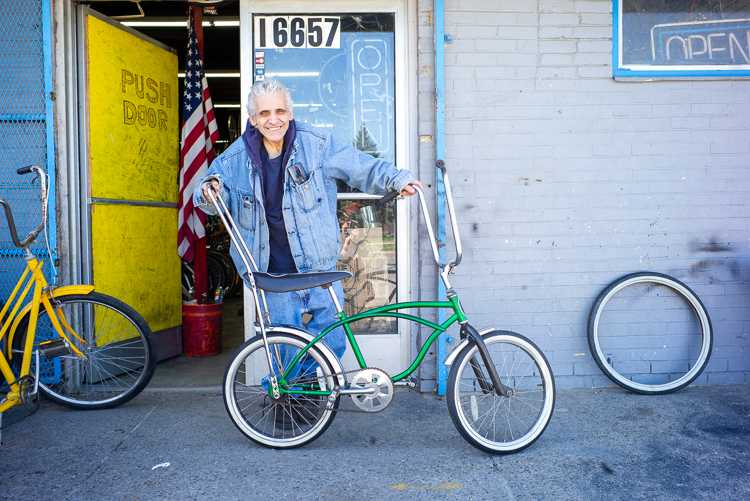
[
  {"x": 409, "y": 189},
  {"x": 214, "y": 184}
]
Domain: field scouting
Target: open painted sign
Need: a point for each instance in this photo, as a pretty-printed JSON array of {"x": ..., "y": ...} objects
[{"x": 297, "y": 32}]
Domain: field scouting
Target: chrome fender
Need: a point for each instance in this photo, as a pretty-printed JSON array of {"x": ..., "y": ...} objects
[
  {"x": 308, "y": 336},
  {"x": 67, "y": 290},
  {"x": 452, "y": 355}
]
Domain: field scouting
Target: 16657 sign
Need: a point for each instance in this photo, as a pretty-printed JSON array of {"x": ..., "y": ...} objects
[{"x": 297, "y": 32}]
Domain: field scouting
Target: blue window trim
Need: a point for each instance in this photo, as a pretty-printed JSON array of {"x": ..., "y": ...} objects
[
  {"x": 618, "y": 71},
  {"x": 49, "y": 122}
]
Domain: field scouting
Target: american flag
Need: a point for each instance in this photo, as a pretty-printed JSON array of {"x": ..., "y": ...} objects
[{"x": 199, "y": 133}]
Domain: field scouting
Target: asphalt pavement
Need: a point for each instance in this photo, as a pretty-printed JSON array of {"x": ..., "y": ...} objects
[{"x": 180, "y": 445}]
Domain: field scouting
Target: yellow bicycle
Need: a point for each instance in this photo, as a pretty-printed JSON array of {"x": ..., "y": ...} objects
[{"x": 76, "y": 347}]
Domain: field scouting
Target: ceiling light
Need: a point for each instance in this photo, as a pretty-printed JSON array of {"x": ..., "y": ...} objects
[
  {"x": 156, "y": 24},
  {"x": 294, "y": 74},
  {"x": 179, "y": 24},
  {"x": 215, "y": 75}
]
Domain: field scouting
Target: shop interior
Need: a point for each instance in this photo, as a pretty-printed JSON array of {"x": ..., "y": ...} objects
[{"x": 166, "y": 22}]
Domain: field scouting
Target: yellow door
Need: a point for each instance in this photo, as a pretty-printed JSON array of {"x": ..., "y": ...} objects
[{"x": 132, "y": 132}]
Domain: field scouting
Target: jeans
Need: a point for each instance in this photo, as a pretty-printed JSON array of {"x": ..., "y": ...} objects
[{"x": 289, "y": 307}]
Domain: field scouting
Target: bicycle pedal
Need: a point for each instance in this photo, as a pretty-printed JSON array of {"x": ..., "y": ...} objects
[
  {"x": 409, "y": 381},
  {"x": 54, "y": 348}
]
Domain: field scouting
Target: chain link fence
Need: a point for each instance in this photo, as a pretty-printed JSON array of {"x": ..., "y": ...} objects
[{"x": 24, "y": 125}]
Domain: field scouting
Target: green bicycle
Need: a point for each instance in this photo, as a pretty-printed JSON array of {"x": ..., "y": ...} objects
[{"x": 282, "y": 388}]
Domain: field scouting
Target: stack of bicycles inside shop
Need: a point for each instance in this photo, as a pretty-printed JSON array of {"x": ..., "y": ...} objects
[{"x": 221, "y": 273}]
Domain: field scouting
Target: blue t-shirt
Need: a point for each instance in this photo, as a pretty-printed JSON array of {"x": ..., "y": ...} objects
[{"x": 281, "y": 260}]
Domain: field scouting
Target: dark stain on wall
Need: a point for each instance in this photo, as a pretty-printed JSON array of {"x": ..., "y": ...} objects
[
  {"x": 712, "y": 246},
  {"x": 734, "y": 268},
  {"x": 716, "y": 264},
  {"x": 704, "y": 265}
]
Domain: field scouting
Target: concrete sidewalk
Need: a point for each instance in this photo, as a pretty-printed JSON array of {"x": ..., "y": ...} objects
[{"x": 601, "y": 444}]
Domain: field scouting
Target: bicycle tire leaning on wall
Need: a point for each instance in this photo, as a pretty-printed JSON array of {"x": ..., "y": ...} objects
[{"x": 669, "y": 292}]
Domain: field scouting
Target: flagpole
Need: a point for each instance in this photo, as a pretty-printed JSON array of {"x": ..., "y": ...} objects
[{"x": 199, "y": 262}]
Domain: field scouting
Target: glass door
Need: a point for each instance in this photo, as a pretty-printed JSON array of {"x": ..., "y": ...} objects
[
  {"x": 345, "y": 63},
  {"x": 340, "y": 69}
]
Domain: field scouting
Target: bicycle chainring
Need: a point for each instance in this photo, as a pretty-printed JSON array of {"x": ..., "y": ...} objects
[{"x": 377, "y": 380}]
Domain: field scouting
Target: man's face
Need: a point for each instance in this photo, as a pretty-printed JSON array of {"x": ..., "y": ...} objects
[{"x": 271, "y": 116}]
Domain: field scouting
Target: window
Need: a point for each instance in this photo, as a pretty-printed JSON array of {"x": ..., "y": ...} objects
[{"x": 681, "y": 38}]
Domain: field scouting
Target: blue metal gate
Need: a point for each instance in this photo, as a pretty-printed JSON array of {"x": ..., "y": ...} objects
[{"x": 26, "y": 126}]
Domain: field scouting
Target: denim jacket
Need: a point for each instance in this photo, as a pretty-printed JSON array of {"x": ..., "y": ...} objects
[{"x": 310, "y": 207}]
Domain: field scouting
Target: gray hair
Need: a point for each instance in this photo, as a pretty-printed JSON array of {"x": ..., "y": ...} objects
[{"x": 265, "y": 87}]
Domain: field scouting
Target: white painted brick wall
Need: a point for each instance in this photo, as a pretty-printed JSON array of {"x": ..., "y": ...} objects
[{"x": 565, "y": 179}]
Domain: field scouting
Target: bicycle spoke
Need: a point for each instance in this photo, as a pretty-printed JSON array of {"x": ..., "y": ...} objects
[
  {"x": 497, "y": 423},
  {"x": 284, "y": 422},
  {"x": 117, "y": 359}
]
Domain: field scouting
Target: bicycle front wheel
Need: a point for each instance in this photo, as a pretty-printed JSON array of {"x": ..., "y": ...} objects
[
  {"x": 118, "y": 347},
  {"x": 488, "y": 421},
  {"x": 649, "y": 333},
  {"x": 287, "y": 422}
]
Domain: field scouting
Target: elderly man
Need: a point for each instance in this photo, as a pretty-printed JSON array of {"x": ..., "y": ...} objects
[{"x": 279, "y": 182}]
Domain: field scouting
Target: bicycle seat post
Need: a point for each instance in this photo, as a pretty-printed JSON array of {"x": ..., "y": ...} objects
[
  {"x": 336, "y": 303},
  {"x": 226, "y": 218}
]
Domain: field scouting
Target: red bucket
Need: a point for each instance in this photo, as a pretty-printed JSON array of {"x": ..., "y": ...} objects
[{"x": 201, "y": 329}]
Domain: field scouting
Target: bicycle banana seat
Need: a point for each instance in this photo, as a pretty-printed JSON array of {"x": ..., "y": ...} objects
[{"x": 296, "y": 281}]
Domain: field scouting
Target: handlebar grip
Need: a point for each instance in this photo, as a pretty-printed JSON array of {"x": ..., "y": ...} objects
[
  {"x": 441, "y": 165},
  {"x": 387, "y": 198},
  {"x": 24, "y": 170},
  {"x": 11, "y": 224}
]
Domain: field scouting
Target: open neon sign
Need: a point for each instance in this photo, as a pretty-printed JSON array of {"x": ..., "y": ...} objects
[{"x": 707, "y": 42}]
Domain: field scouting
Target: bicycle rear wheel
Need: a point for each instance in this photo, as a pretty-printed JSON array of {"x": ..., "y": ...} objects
[
  {"x": 188, "y": 282},
  {"x": 275, "y": 423},
  {"x": 216, "y": 277},
  {"x": 232, "y": 282},
  {"x": 119, "y": 349},
  {"x": 493, "y": 423},
  {"x": 650, "y": 333}
]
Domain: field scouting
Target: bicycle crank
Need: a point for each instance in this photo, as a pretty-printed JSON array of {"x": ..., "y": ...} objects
[
  {"x": 371, "y": 390},
  {"x": 29, "y": 394},
  {"x": 378, "y": 386},
  {"x": 29, "y": 386}
]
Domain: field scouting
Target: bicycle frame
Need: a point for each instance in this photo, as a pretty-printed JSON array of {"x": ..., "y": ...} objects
[
  {"x": 383, "y": 311},
  {"x": 42, "y": 295}
]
